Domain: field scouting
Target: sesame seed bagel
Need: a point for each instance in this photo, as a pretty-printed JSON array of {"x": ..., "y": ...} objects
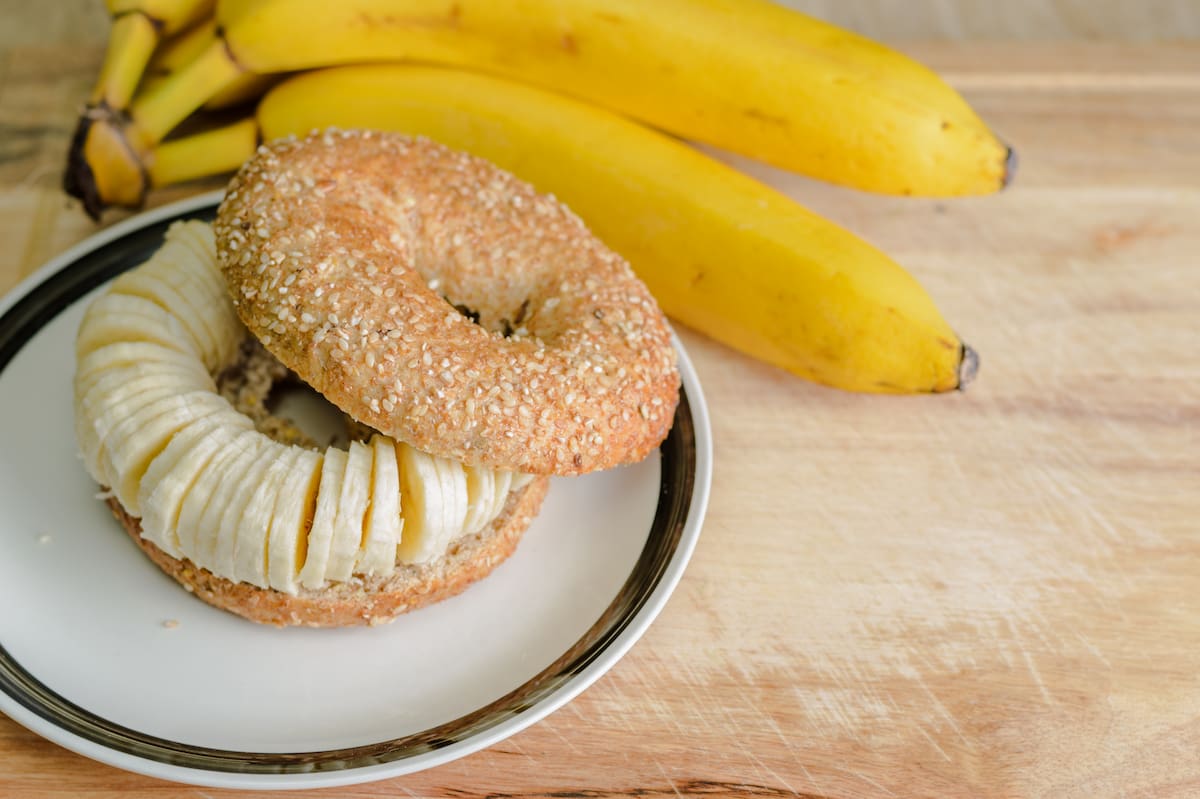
[
  {"x": 366, "y": 599},
  {"x": 447, "y": 304}
]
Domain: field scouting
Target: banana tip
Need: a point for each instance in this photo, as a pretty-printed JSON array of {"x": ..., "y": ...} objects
[
  {"x": 968, "y": 367},
  {"x": 1010, "y": 167}
]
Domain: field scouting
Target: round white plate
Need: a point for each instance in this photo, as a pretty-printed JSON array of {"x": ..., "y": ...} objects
[{"x": 105, "y": 655}]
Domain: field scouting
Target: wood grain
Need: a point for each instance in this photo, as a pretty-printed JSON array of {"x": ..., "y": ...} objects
[{"x": 992, "y": 594}]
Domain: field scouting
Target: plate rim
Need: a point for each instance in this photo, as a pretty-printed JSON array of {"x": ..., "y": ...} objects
[{"x": 610, "y": 653}]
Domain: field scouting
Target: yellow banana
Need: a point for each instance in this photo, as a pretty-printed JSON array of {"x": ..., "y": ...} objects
[
  {"x": 210, "y": 152},
  {"x": 102, "y": 165},
  {"x": 138, "y": 25},
  {"x": 745, "y": 75},
  {"x": 721, "y": 252},
  {"x": 130, "y": 43}
]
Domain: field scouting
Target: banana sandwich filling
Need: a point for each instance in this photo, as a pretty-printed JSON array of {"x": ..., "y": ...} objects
[{"x": 185, "y": 443}]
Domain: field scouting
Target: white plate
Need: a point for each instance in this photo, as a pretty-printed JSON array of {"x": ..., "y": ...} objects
[{"x": 103, "y": 654}]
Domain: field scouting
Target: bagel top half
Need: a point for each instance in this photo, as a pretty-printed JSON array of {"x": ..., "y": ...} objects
[{"x": 442, "y": 301}]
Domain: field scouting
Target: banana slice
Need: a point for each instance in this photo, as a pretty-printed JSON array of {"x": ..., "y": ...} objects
[
  {"x": 187, "y": 375},
  {"x": 433, "y": 496},
  {"x": 121, "y": 390},
  {"x": 142, "y": 282},
  {"x": 292, "y": 517},
  {"x": 320, "y": 537},
  {"x": 378, "y": 553},
  {"x": 504, "y": 484},
  {"x": 236, "y": 480},
  {"x": 122, "y": 317},
  {"x": 134, "y": 442},
  {"x": 171, "y": 475},
  {"x": 109, "y": 400},
  {"x": 481, "y": 494},
  {"x": 202, "y": 490},
  {"x": 225, "y": 529},
  {"x": 186, "y": 263},
  {"x": 257, "y": 516},
  {"x": 454, "y": 500},
  {"x": 420, "y": 502},
  {"x": 199, "y": 238},
  {"x": 128, "y": 353},
  {"x": 350, "y": 523},
  {"x": 189, "y": 255}
]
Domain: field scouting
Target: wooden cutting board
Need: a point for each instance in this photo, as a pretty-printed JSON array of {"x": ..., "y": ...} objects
[{"x": 992, "y": 594}]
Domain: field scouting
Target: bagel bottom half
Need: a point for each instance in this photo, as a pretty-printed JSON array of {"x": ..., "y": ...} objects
[{"x": 363, "y": 600}]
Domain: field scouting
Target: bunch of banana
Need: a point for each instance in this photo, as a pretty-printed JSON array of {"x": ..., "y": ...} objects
[
  {"x": 211, "y": 488},
  {"x": 138, "y": 27},
  {"x": 571, "y": 95}
]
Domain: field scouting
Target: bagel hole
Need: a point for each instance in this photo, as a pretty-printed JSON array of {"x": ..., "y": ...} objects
[
  {"x": 506, "y": 325},
  {"x": 283, "y": 406},
  {"x": 292, "y": 401}
]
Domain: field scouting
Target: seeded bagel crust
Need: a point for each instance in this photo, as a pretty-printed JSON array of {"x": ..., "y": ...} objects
[
  {"x": 443, "y": 302},
  {"x": 363, "y": 600}
]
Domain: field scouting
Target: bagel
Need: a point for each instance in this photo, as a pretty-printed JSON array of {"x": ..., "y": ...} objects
[
  {"x": 447, "y": 304},
  {"x": 172, "y": 415},
  {"x": 476, "y": 336}
]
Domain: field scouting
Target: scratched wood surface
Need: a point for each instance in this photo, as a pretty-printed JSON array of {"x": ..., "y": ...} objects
[{"x": 993, "y": 594}]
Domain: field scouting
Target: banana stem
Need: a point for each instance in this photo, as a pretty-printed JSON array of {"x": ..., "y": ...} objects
[{"x": 200, "y": 155}]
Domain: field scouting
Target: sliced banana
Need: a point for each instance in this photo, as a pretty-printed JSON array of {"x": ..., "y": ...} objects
[
  {"x": 99, "y": 410},
  {"x": 134, "y": 442},
  {"x": 171, "y": 475},
  {"x": 191, "y": 510},
  {"x": 433, "y": 498},
  {"x": 454, "y": 500},
  {"x": 198, "y": 237},
  {"x": 129, "y": 353},
  {"x": 189, "y": 254},
  {"x": 257, "y": 516},
  {"x": 504, "y": 484},
  {"x": 144, "y": 283},
  {"x": 236, "y": 479},
  {"x": 320, "y": 537},
  {"x": 350, "y": 523},
  {"x": 225, "y": 529},
  {"x": 481, "y": 493},
  {"x": 191, "y": 377},
  {"x": 421, "y": 504},
  {"x": 383, "y": 527},
  {"x": 292, "y": 516},
  {"x": 120, "y": 317}
]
